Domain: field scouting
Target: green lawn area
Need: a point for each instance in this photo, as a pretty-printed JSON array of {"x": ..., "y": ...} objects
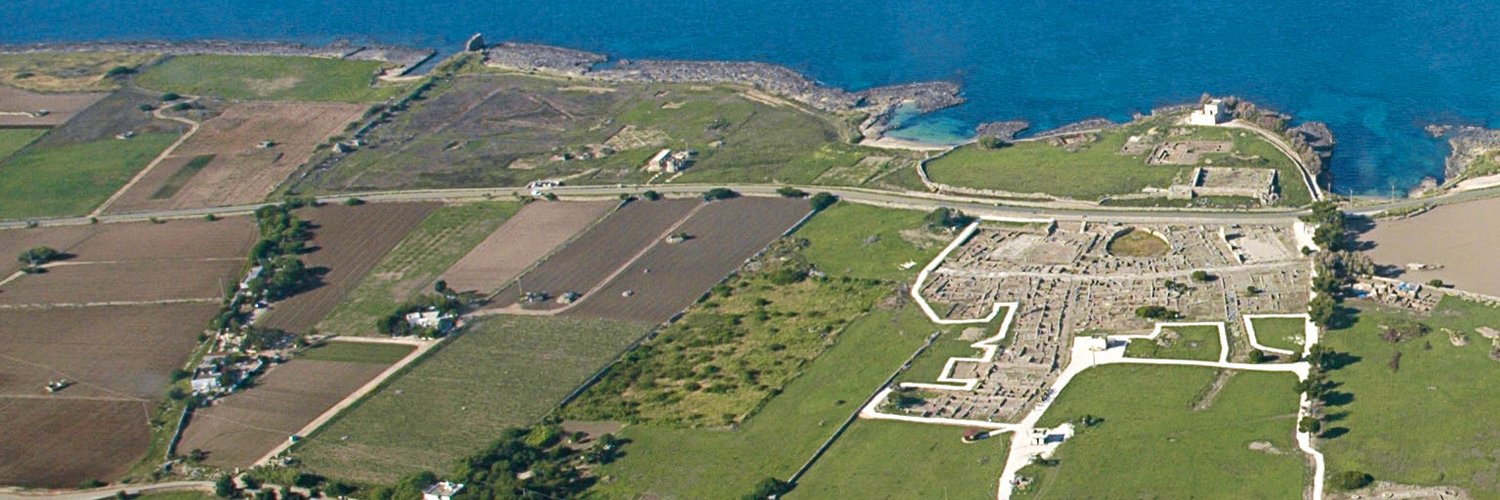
[
  {"x": 275, "y": 78},
  {"x": 1178, "y": 342},
  {"x": 13, "y": 139},
  {"x": 882, "y": 459},
  {"x": 71, "y": 180},
  {"x": 1280, "y": 333},
  {"x": 867, "y": 242},
  {"x": 1094, "y": 170},
  {"x": 501, "y": 372},
  {"x": 673, "y": 462},
  {"x": 728, "y": 355},
  {"x": 928, "y": 366},
  {"x": 1153, "y": 444},
  {"x": 410, "y": 269},
  {"x": 1090, "y": 173},
  {"x": 1427, "y": 422},
  {"x": 357, "y": 352}
]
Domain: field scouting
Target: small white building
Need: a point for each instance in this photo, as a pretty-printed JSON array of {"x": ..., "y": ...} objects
[
  {"x": 442, "y": 490},
  {"x": 1212, "y": 113},
  {"x": 430, "y": 319},
  {"x": 668, "y": 161}
]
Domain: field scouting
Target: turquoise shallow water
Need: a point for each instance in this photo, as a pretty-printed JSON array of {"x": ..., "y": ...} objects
[{"x": 1376, "y": 70}]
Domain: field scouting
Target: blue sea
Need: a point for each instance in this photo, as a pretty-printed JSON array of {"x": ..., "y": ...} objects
[{"x": 1375, "y": 70}]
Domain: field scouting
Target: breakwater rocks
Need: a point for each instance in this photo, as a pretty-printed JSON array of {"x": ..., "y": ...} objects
[
  {"x": 781, "y": 80},
  {"x": 1467, "y": 144},
  {"x": 405, "y": 57},
  {"x": 1004, "y": 131}
]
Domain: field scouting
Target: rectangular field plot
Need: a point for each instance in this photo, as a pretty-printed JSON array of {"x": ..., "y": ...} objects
[
  {"x": 1178, "y": 342},
  {"x": 242, "y": 427},
  {"x": 348, "y": 241},
  {"x": 526, "y": 238},
  {"x": 1188, "y": 440},
  {"x": 667, "y": 461},
  {"x": 232, "y": 166},
  {"x": 588, "y": 260},
  {"x": 669, "y": 277},
  {"x": 15, "y": 241},
  {"x": 123, "y": 282},
  {"x": 109, "y": 351},
  {"x": 501, "y": 372},
  {"x": 74, "y": 178},
  {"x": 1280, "y": 333},
  {"x": 16, "y": 106},
  {"x": 868, "y": 242},
  {"x": 61, "y": 442},
  {"x": 882, "y": 459},
  {"x": 410, "y": 268}
]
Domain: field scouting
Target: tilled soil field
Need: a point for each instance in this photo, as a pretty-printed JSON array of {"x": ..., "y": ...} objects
[
  {"x": 348, "y": 241},
  {"x": 120, "y": 351},
  {"x": 119, "y": 358},
  {"x": 15, "y": 241},
  {"x": 1458, "y": 240},
  {"x": 670, "y": 277},
  {"x": 61, "y": 442},
  {"x": 243, "y": 427},
  {"x": 526, "y": 238},
  {"x": 91, "y": 283},
  {"x": 60, "y": 107},
  {"x": 240, "y": 171},
  {"x": 598, "y": 252}
]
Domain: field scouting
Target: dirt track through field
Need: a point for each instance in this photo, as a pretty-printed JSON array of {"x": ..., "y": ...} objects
[
  {"x": 584, "y": 263},
  {"x": 520, "y": 242},
  {"x": 349, "y": 241},
  {"x": 670, "y": 277}
]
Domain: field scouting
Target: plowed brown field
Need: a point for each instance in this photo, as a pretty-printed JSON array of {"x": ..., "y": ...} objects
[
  {"x": 85, "y": 283},
  {"x": 241, "y": 171},
  {"x": 58, "y": 443},
  {"x": 670, "y": 277},
  {"x": 246, "y": 425},
  {"x": 60, "y": 107},
  {"x": 524, "y": 239},
  {"x": 349, "y": 240},
  {"x": 589, "y": 259}
]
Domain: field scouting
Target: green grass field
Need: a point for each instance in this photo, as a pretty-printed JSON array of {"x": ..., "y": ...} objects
[
  {"x": 274, "y": 78},
  {"x": 410, "y": 269},
  {"x": 1280, "y": 333},
  {"x": 71, "y": 180},
  {"x": 13, "y": 139},
  {"x": 502, "y": 372},
  {"x": 1153, "y": 444},
  {"x": 729, "y": 354},
  {"x": 868, "y": 242},
  {"x": 1095, "y": 170},
  {"x": 357, "y": 352},
  {"x": 1090, "y": 173},
  {"x": 673, "y": 462},
  {"x": 1191, "y": 342},
  {"x": 881, "y": 459},
  {"x": 1428, "y": 421}
]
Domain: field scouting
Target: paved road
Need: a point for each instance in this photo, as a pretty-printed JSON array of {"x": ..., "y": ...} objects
[{"x": 917, "y": 200}]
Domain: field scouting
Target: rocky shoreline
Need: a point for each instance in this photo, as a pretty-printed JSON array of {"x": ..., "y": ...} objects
[
  {"x": 405, "y": 57},
  {"x": 1467, "y": 144},
  {"x": 879, "y": 102}
]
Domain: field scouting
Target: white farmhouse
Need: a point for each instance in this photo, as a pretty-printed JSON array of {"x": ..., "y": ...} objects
[{"x": 442, "y": 490}]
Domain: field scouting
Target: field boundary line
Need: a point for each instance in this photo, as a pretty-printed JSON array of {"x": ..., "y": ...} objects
[
  {"x": 353, "y": 397},
  {"x": 538, "y": 263},
  {"x": 192, "y": 129}
]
